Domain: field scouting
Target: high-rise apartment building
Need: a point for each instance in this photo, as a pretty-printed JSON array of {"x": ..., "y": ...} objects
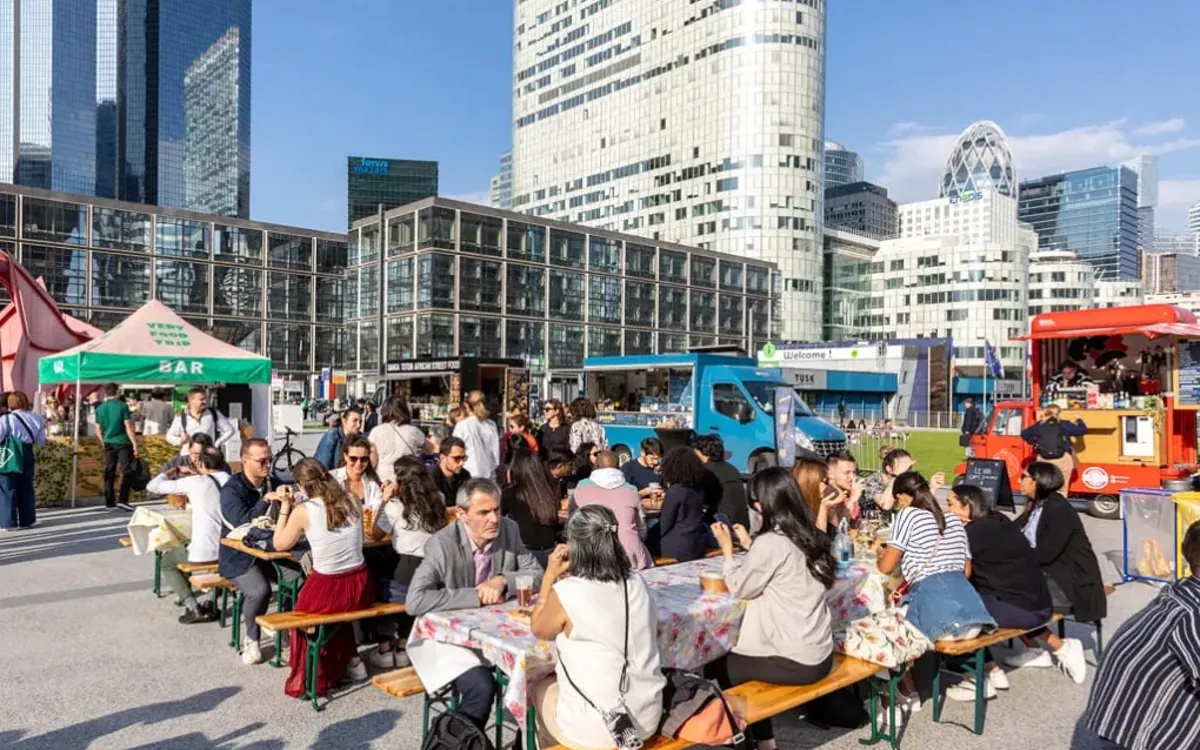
[
  {"x": 374, "y": 182},
  {"x": 980, "y": 162},
  {"x": 1163, "y": 273},
  {"x": 699, "y": 124},
  {"x": 501, "y": 194},
  {"x": 1090, "y": 212},
  {"x": 842, "y": 166},
  {"x": 1146, "y": 168},
  {"x": 142, "y": 100},
  {"x": 862, "y": 208},
  {"x": 1193, "y": 218}
]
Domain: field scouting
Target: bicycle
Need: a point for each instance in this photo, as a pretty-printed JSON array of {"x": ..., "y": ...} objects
[{"x": 289, "y": 455}]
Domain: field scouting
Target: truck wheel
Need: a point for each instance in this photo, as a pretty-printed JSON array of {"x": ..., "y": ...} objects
[
  {"x": 1105, "y": 506},
  {"x": 760, "y": 461},
  {"x": 624, "y": 455}
]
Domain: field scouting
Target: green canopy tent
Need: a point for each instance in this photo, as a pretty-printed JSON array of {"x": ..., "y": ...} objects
[{"x": 153, "y": 345}]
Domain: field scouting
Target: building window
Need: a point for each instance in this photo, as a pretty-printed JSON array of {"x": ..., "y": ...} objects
[
  {"x": 524, "y": 340},
  {"x": 368, "y": 345},
  {"x": 566, "y": 295},
  {"x": 401, "y": 235},
  {"x": 672, "y": 343},
  {"x": 731, "y": 276},
  {"x": 639, "y": 261},
  {"x": 672, "y": 308},
  {"x": 639, "y": 304},
  {"x": 704, "y": 271},
  {"x": 758, "y": 280},
  {"x": 567, "y": 249},
  {"x": 604, "y": 342},
  {"x": 480, "y": 234},
  {"x": 435, "y": 335},
  {"x": 238, "y": 245},
  {"x": 400, "y": 286},
  {"x": 730, "y": 321},
  {"x": 479, "y": 288},
  {"x": 703, "y": 312},
  {"x": 332, "y": 256},
  {"x": 399, "y": 338},
  {"x": 368, "y": 291},
  {"x": 289, "y": 346},
  {"x": 566, "y": 347},
  {"x": 604, "y": 299},
  {"x": 726, "y": 184},
  {"x": 479, "y": 337},
  {"x": 334, "y": 303},
  {"x": 525, "y": 290},
  {"x": 289, "y": 296},
  {"x": 120, "y": 280},
  {"x": 182, "y": 286},
  {"x": 604, "y": 255},
  {"x": 526, "y": 242},
  {"x": 181, "y": 237},
  {"x": 120, "y": 230},
  {"x": 436, "y": 228},
  {"x": 331, "y": 349},
  {"x": 639, "y": 342},
  {"x": 289, "y": 251},
  {"x": 53, "y": 221},
  {"x": 238, "y": 291},
  {"x": 760, "y": 317},
  {"x": 672, "y": 267},
  {"x": 8, "y": 215},
  {"x": 956, "y": 316},
  {"x": 435, "y": 282},
  {"x": 245, "y": 335}
]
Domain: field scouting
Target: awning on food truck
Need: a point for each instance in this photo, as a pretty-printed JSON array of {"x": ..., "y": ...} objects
[
  {"x": 1149, "y": 320},
  {"x": 1152, "y": 331}
]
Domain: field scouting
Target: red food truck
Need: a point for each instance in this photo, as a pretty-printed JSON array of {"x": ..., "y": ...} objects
[{"x": 1138, "y": 398}]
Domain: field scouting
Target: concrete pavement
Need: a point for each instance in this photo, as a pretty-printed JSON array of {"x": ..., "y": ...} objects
[{"x": 90, "y": 659}]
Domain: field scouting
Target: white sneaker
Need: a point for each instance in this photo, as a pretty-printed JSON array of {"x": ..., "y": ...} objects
[
  {"x": 998, "y": 679},
  {"x": 964, "y": 692},
  {"x": 1030, "y": 657},
  {"x": 357, "y": 672},
  {"x": 909, "y": 703},
  {"x": 402, "y": 660},
  {"x": 382, "y": 659},
  {"x": 1071, "y": 661},
  {"x": 251, "y": 653}
]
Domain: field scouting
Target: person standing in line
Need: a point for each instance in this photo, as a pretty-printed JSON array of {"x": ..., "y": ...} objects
[
  {"x": 555, "y": 433},
  {"x": 478, "y": 432},
  {"x": 156, "y": 414},
  {"x": 1051, "y": 440},
  {"x": 17, "y": 506},
  {"x": 329, "y": 450},
  {"x": 972, "y": 422},
  {"x": 584, "y": 427},
  {"x": 394, "y": 437},
  {"x": 198, "y": 416},
  {"x": 114, "y": 427}
]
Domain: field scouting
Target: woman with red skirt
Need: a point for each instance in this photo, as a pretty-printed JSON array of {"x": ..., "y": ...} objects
[{"x": 332, "y": 521}]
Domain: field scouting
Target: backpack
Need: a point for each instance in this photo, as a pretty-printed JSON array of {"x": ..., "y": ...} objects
[
  {"x": 1051, "y": 441},
  {"x": 454, "y": 731},
  {"x": 695, "y": 710},
  {"x": 184, "y": 416}
]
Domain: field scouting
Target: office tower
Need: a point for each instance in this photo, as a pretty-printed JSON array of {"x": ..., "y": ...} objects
[
  {"x": 1181, "y": 243},
  {"x": 97, "y": 96},
  {"x": 501, "y": 194},
  {"x": 1146, "y": 168},
  {"x": 980, "y": 162},
  {"x": 374, "y": 182},
  {"x": 1193, "y": 218},
  {"x": 861, "y": 208},
  {"x": 842, "y": 167},
  {"x": 1090, "y": 212},
  {"x": 1165, "y": 272},
  {"x": 697, "y": 124},
  {"x": 1058, "y": 282}
]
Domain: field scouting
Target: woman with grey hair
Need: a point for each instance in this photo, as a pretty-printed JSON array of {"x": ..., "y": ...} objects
[{"x": 603, "y": 622}]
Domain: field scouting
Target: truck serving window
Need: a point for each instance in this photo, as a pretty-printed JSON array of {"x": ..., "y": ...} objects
[{"x": 763, "y": 392}]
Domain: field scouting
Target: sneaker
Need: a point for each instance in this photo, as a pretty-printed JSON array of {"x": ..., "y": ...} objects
[
  {"x": 251, "y": 653},
  {"x": 357, "y": 672},
  {"x": 964, "y": 691},
  {"x": 194, "y": 616},
  {"x": 402, "y": 659},
  {"x": 1070, "y": 660},
  {"x": 125, "y": 507},
  {"x": 998, "y": 679},
  {"x": 30, "y": 525},
  {"x": 110, "y": 507},
  {"x": 382, "y": 659},
  {"x": 909, "y": 703},
  {"x": 1030, "y": 657}
]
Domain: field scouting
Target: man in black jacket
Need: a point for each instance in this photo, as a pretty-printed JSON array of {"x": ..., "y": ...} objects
[
  {"x": 723, "y": 488},
  {"x": 244, "y": 497}
]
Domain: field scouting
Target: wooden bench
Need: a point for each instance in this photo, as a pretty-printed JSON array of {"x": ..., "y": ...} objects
[
  {"x": 125, "y": 541},
  {"x": 974, "y": 647},
  {"x": 205, "y": 580},
  {"x": 320, "y": 628},
  {"x": 399, "y": 684},
  {"x": 660, "y": 561},
  {"x": 189, "y": 568}
]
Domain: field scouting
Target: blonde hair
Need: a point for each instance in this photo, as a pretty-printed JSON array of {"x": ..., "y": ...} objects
[
  {"x": 476, "y": 404},
  {"x": 1051, "y": 412},
  {"x": 341, "y": 509}
]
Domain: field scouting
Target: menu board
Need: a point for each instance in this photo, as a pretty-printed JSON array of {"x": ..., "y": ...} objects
[
  {"x": 1187, "y": 376},
  {"x": 991, "y": 476}
]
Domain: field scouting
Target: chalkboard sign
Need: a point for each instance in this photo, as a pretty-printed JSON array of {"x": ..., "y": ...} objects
[
  {"x": 1187, "y": 383},
  {"x": 991, "y": 476}
]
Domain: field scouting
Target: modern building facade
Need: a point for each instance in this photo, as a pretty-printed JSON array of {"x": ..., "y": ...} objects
[
  {"x": 984, "y": 216},
  {"x": 1059, "y": 281},
  {"x": 861, "y": 208},
  {"x": 1181, "y": 243},
  {"x": 441, "y": 278},
  {"x": 1090, "y": 212},
  {"x": 1187, "y": 300},
  {"x": 1118, "y": 293},
  {"x": 1193, "y": 218},
  {"x": 1164, "y": 273},
  {"x": 697, "y": 124},
  {"x": 848, "y": 276},
  {"x": 373, "y": 182},
  {"x": 980, "y": 162},
  {"x": 502, "y": 183},
  {"x": 143, "y": 100},
  {"x": 842, "y": 166},
  {"x": 274, "y": 290},
  {"x": 1146, "y": 168}
]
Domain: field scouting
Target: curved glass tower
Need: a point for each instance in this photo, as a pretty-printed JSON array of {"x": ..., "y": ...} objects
[{"x": 981, "y": 161}]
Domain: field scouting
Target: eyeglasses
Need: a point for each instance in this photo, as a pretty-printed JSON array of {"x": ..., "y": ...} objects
[
  {"x": 358, "y": 459},
  {"x": 260, "y": 461},
  {"x": 458, "y": 459}
]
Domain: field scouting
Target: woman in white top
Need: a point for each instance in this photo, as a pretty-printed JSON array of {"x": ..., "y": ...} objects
[
  {"x": 332, "y": 521},
  {"x": 412, "y": 511},
  {"x": 17, "y": 508},
  {"x": 394, "y": 437},
  {"x": 479, "y": 432},
  {"x": 603, "y": 622},
  {"x": 355, "y": 474},
  {"x": 786, "y": 636}
]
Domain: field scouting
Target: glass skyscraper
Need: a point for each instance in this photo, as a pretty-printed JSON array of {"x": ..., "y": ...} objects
[
  {"x": 842, "y": 166},
  {"x": 390, "y": 182},
  {"x": 1090, "y": 212},
  {"x": 142, "y": 100}
]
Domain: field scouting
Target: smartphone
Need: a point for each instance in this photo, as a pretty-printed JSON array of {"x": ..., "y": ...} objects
[{"x": 725, "y": 520}]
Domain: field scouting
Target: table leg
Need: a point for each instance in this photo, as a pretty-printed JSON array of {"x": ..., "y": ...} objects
[
  {"x": 938, "y": 702},
  {"x": 286, "y": 592},
  {"x": 158, "y": 556},
  {"x": 980, "y": 698},
  {"x": 501, "y": 685},
  {"x": 531, "y": 728},
  {"x": 892, "y": 684}
]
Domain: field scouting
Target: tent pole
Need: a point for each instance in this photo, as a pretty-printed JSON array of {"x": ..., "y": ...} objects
[{"x": 75, "y": 438}]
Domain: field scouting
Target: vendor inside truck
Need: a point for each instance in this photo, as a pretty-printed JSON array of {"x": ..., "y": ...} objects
[{"x": 1069, "y": 378}]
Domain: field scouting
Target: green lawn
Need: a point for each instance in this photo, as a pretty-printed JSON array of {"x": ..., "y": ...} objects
[{"x": 933, "y": 450}]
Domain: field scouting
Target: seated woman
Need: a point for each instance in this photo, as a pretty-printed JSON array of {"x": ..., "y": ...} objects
[
  {"x": 585, "y": 461},
  {"x": 1061, "y": 546},
  {"x": 683, "y": 535},
  {"x": 530, "y": 500},
  {"x": 412, "y": 511},
  {"x": 825, "y": 504},
  {"x": 932, "y": 551},
  {"x": 603, "y": 622},
  {"x": 331, "y": 520},
  {"x": 877, "y": 495},
  {"x": 783, "y": 577},
  {"x": 356, "y": 475}
]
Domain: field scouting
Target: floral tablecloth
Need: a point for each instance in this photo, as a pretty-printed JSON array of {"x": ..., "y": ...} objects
[
  {"x": 159, "y": 527},
  {"x": 694, "y": 627},
  {"x": 860, "y": 590}
]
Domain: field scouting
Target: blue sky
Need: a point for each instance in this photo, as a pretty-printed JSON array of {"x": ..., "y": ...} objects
[{"x": 1073, "y": 83}]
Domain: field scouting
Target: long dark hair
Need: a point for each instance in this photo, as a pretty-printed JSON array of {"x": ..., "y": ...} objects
[
  {"x": 785, "y": 512},
  {"x": 1049, "y": 480},
  {"x": 529, "y": 477},
  {"x": 424, "y": 509},
  {"x": 914, "y": 485},
  {"x": 583, "y": 461},
  {"x": 682, "y": 466},
  {"x": 978, "y": 501}
]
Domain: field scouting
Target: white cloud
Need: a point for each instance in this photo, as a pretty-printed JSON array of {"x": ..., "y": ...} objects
[
  {"x": 478, "y": 197},
  {"x": 1173, "y": 125},
  {"x": 1174, "y": 199}
]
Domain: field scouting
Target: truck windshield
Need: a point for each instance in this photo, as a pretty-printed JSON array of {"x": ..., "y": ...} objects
[{"x": 763, "y": 393}]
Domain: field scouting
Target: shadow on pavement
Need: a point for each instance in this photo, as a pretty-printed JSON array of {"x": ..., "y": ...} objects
[
  {"x": 101, "y": 540},
  {"x": 197, "y": 741},
  {"x": 85, "y": 733},
  {"x": 362, "y": 729}
]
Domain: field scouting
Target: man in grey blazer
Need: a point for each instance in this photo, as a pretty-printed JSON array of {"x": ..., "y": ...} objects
[{"x": 472, "y": 562}]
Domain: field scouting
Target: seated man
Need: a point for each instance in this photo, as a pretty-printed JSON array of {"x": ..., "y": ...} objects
[
  {"x": 1147, "y": 690},
  {"x": 472, "y": 562},
  {"x": 188, "y": 461},
  {"x": 203, "y": 491},
  {"x": 643, "y": 470}
]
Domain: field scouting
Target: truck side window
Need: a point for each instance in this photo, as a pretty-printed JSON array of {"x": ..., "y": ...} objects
[{"x": 729, "y": 401}]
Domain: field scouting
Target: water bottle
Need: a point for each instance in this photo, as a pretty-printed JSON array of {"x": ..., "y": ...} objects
[{"x": 843, "y": 546}]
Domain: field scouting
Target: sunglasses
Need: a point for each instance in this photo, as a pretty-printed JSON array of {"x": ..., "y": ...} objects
[
  {"x": 358, "y": 459},
  {"x": 260, "y": 461},
  {"x": 458, "y": 459}
]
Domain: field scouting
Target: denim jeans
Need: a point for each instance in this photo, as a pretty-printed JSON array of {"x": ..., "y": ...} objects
[
  {"x": 945, "y": 604},
  {"x": 17, "y": 507}
]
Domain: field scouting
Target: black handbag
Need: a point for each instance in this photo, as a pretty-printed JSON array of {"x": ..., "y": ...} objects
[{"x": 136, "y": 475}]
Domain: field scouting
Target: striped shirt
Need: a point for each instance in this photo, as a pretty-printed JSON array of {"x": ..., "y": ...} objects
[
  {"x": 1146, "y": 695},
  {"x": 915, "y": 533}
]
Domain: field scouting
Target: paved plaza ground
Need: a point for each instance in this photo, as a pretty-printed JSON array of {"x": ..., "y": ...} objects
[{"x": 90, "y": 659}]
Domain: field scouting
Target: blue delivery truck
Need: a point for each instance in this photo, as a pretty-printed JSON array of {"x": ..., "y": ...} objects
[{"x": 673, "y": 396}]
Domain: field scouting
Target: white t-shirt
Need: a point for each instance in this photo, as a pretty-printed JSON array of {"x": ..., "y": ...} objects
[
  {"x": 915, "y": 532},
  {"x": 372, "y": 492},
  {"x": 483, "y": 446},
  {"x": 406, "y": 540},
  {"x": 394, "y": 441},
  {"x": 332, "y": 551},
  {"x": 204, "y": 498}
]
